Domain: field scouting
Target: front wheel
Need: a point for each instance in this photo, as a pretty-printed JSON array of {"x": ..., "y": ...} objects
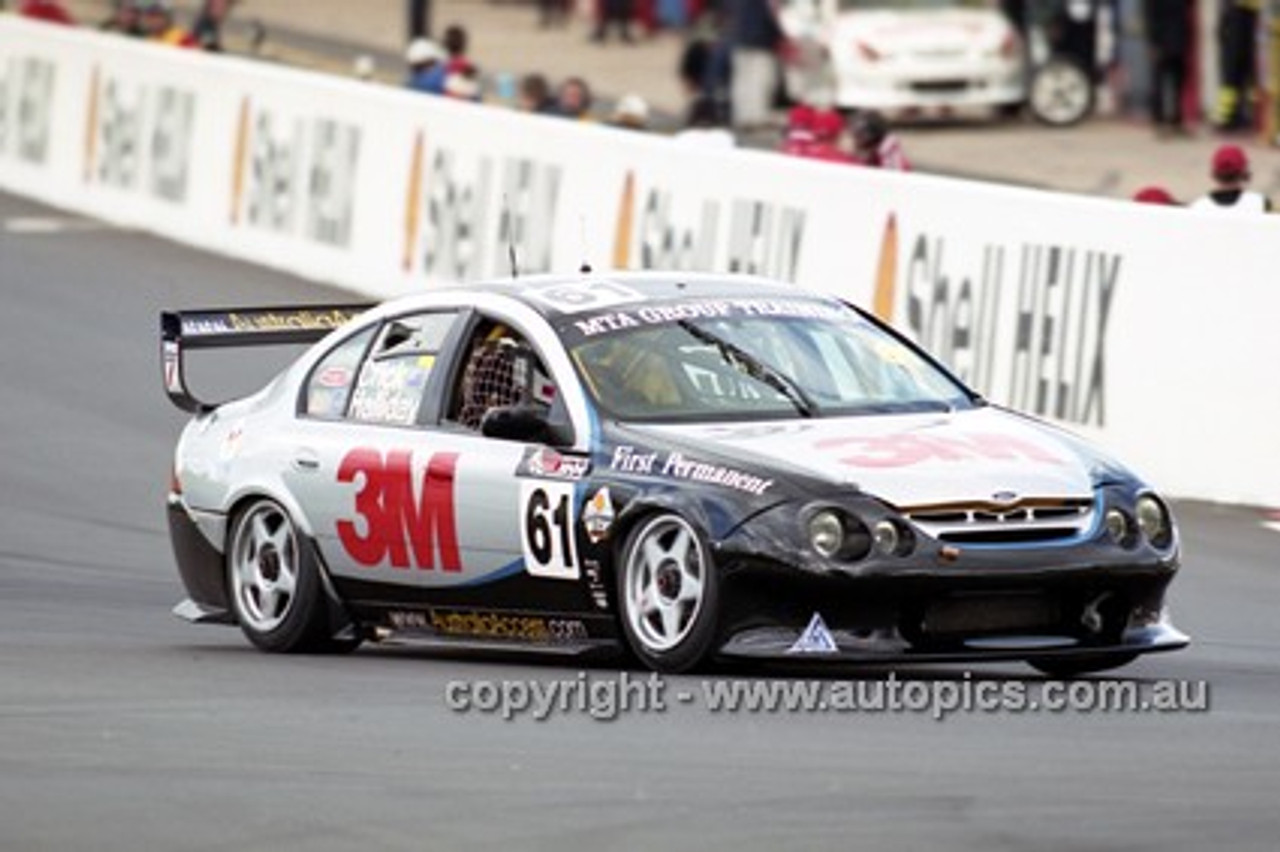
[
  {"x": 1068, "y": 667},
  {"x": 275, "y": 584},
  {"x": 669, "y": 594}
]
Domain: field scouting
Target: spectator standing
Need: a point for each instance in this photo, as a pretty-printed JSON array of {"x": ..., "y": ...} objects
[
  {"x": 422, "y": 56},
  {"x": 616, "y": 14},
  {"x": 1230, "y": 172},
  {"x": 874, "y": 145},
  {"x": 1168, "y": 28},
  {"x": 753, "y": 35},
  {"x": 573, "y": 99},
  {"x": 704, "y": 64},
  {"x": 455, "y": 61},
  {"x": 156, "y": 24},
  {"x": 1237, "y": 33},
  {"x": 1073, "y": 31},
  {"x": 207, "y": 29}
]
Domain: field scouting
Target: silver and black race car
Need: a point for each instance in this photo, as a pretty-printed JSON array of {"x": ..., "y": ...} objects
[{"x": 684, "y": 467}]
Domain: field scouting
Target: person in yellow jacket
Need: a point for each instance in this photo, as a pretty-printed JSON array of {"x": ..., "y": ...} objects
[
  {"x": 1237, "y": 57},
  {"x": 155, "y": 23}
]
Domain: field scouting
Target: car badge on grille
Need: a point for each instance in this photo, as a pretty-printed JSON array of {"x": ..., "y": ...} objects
[{"x": 1004, "y": 498}]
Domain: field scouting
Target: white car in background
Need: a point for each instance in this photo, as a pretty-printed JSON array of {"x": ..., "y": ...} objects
[{"x": 902, "y": 54}]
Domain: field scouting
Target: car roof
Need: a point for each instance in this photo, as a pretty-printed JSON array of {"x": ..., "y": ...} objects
[{"x": 534, "y": 290}]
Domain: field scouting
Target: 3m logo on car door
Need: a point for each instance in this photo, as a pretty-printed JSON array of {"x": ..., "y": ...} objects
[
  {"x": 397, "y": 522},
  {"x": 425, "y": 510}
]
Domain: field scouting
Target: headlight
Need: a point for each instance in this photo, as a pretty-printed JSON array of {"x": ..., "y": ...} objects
[
  {"x": 1119, "y": 528},
  {"x": 835, "y": 535},
  {"x": 1154, "y": 521},
  {"x": 891, "y": 539},
  {"x": 826, "y": 533}
]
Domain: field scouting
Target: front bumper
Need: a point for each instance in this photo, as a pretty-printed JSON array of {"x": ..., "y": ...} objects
[
  {"x": 862, "y": 88},
  {"x": 994, "y": 605}
]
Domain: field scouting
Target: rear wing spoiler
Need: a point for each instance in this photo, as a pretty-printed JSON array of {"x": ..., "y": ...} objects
[{"x": 235, "y": 327}]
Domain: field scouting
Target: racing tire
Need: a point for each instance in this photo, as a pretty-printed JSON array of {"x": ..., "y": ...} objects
[
  {"x": 1061, "y": 93},
  {"x": 275, "y": 586},
  {"x": 1069, "y": 667},
  {"x": 669, "y": 594}
]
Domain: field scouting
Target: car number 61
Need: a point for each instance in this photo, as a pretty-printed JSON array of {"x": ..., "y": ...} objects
[{"x": 547, "y": 536}]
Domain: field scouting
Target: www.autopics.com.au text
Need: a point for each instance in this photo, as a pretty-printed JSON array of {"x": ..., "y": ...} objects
[{"x": 605, "y": 698}]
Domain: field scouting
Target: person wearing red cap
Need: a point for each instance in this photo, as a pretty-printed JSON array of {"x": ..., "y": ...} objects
[
  {"x": 1230, "y": 170},
  {"x": 798, "y": 138},
  {"x": 1155, "y": 195},
  {"x": 828, "y": 127}
]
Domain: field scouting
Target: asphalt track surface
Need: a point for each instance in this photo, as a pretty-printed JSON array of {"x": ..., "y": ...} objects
[{"x": 124, "y": 728}]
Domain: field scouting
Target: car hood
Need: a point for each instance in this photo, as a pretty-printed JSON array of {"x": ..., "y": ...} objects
[
  {"x": 921, "y": 33},
  {"x": 983, "y": 454}
]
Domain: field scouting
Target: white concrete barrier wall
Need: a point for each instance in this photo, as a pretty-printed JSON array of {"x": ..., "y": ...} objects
[{"x": 1154, "y": 331}]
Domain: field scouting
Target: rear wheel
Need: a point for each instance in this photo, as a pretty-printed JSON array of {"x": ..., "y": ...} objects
[
  {"x": 669, "y": 594},
  {"x": 275, "y": 584},
  {"x": 1082, "y": 664},
  {"x": 1061, "y": 92}
]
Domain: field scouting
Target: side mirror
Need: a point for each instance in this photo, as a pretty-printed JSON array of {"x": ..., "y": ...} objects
[{"x": 530, "y": 424}]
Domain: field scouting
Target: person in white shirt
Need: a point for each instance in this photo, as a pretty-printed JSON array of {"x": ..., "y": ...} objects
[
  {"x": 1230, "y": 170},
  {"x": 705, "y": 126}
]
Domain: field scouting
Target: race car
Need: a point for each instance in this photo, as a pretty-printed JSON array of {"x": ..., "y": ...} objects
[
  {"x": 902, "y": 54},
  {"x": 683, "y": 468}
]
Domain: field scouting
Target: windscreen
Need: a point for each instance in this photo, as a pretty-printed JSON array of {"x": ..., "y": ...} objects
[{"x": 752, "y": 359}]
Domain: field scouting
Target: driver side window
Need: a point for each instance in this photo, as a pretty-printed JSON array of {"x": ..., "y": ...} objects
[{"x": 499, "y": 368}]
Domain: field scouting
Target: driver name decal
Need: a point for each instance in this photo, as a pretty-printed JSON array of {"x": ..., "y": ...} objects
[{"x": 395, "y": 524}]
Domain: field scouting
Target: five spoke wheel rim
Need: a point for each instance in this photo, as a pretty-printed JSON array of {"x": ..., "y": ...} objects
[
  {"x": 664, "y": 581},
  {"x": 264, "y": 567},
  {"x": 1061, "y": 93}
]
